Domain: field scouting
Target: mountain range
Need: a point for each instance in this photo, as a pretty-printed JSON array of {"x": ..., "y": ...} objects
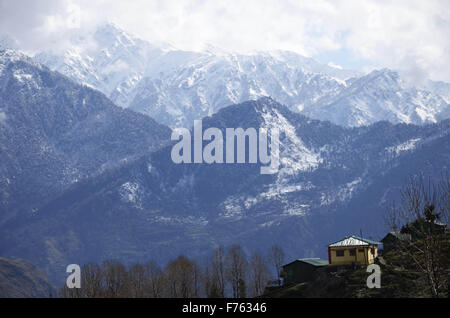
[
  {"x": 83, "y": 180},
  {"x": 54, "y": 132},
  {"x": 176, "y": 87}
]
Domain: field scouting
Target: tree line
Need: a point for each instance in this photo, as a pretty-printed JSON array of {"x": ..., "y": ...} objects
[{"x": 228, "y": 272}]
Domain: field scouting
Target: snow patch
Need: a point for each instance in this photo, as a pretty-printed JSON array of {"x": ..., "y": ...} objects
[
  {"x": 233, "y": 208},
  {"x": 131, "y": 192},
  {"x": 295, "y": 156},
  {"x": 22, "y": 77},
  {"x": 406, "y": 146},
  {"x": 297, "y": 210},
  {"x": 343, "y": 193}
]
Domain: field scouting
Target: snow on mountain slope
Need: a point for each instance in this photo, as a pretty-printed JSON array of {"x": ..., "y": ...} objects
[
  {"x": 108, "y": 59},
  {"x": 295, "y": 156},
  {"x": 440, "y": 88},
  {"x": 183, "y": 86},
  {"x": 176, "y": 87},
  {"x": 380, "y": 95},
  {"x": 55, "y": 132},
  {"x": 135, "y": 212}
]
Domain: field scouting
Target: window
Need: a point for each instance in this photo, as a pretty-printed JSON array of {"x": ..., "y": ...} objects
[
  {"x": 361, "y": 250},
  {"x": 373, "y": 251},
  {"x": 340, "y": 253},
  {"x": 352, "y": 252}
]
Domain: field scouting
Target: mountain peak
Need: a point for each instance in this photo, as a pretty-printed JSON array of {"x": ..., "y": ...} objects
[
  {"x": 385, "y": 74},
  {"x": 267, "y": 100},
  {"x": 110, "y": 34},
  {"x": 8, "y": 55}
]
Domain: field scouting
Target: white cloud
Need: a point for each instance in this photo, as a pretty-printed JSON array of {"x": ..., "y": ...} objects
[
  {"x": 335, "y": 65},
  {"x": 411, "y": 36}
]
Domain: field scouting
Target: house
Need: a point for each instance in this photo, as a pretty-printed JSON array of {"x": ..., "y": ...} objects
[
  {"x": 302, "y": 270},
  {"x": 392, "y": 239},
  {"x": 351, "y": 250}
]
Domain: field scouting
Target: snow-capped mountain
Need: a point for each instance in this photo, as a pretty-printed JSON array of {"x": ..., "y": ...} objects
[
  {"x": 380, "y": 95},
  {"x": 183, "y": 86},
  {"x": 55, "y": 132},
  {"x": 332, "y": 181},
  {"x": 109, "y": 60},
  {"x": 84, "y": 180},
  {"x": 176, "y": 87}
]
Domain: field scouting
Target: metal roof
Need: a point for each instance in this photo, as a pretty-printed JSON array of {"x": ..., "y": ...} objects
[
  {"x": 311, "y": 261},
  {"x": 400, "y": 236},
  {"x": 314, "y": 261},
  {"x": 354, "y": 241}
]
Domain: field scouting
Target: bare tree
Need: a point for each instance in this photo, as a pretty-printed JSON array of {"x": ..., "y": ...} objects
[
  {"x": 115, "y": 278},
  {"x": 181, "y": 280},
  {"x": 276, "y": 258},
  {"x": 214, "y": 276},
  {"x": 210, "y": 283},
  {"x": 197, "y": 279},
  {"x": 236, "y": 267},
  {"x": 259, "y": 274},
  {"x": 138, "y": 281},
  {"x": 155, "y": 280},
  {"x": 92, "y": 280},
  {"x": 423, "y": 214}
]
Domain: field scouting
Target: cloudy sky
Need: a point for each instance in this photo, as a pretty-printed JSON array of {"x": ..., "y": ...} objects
[{"x": 410, "y": 36}]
